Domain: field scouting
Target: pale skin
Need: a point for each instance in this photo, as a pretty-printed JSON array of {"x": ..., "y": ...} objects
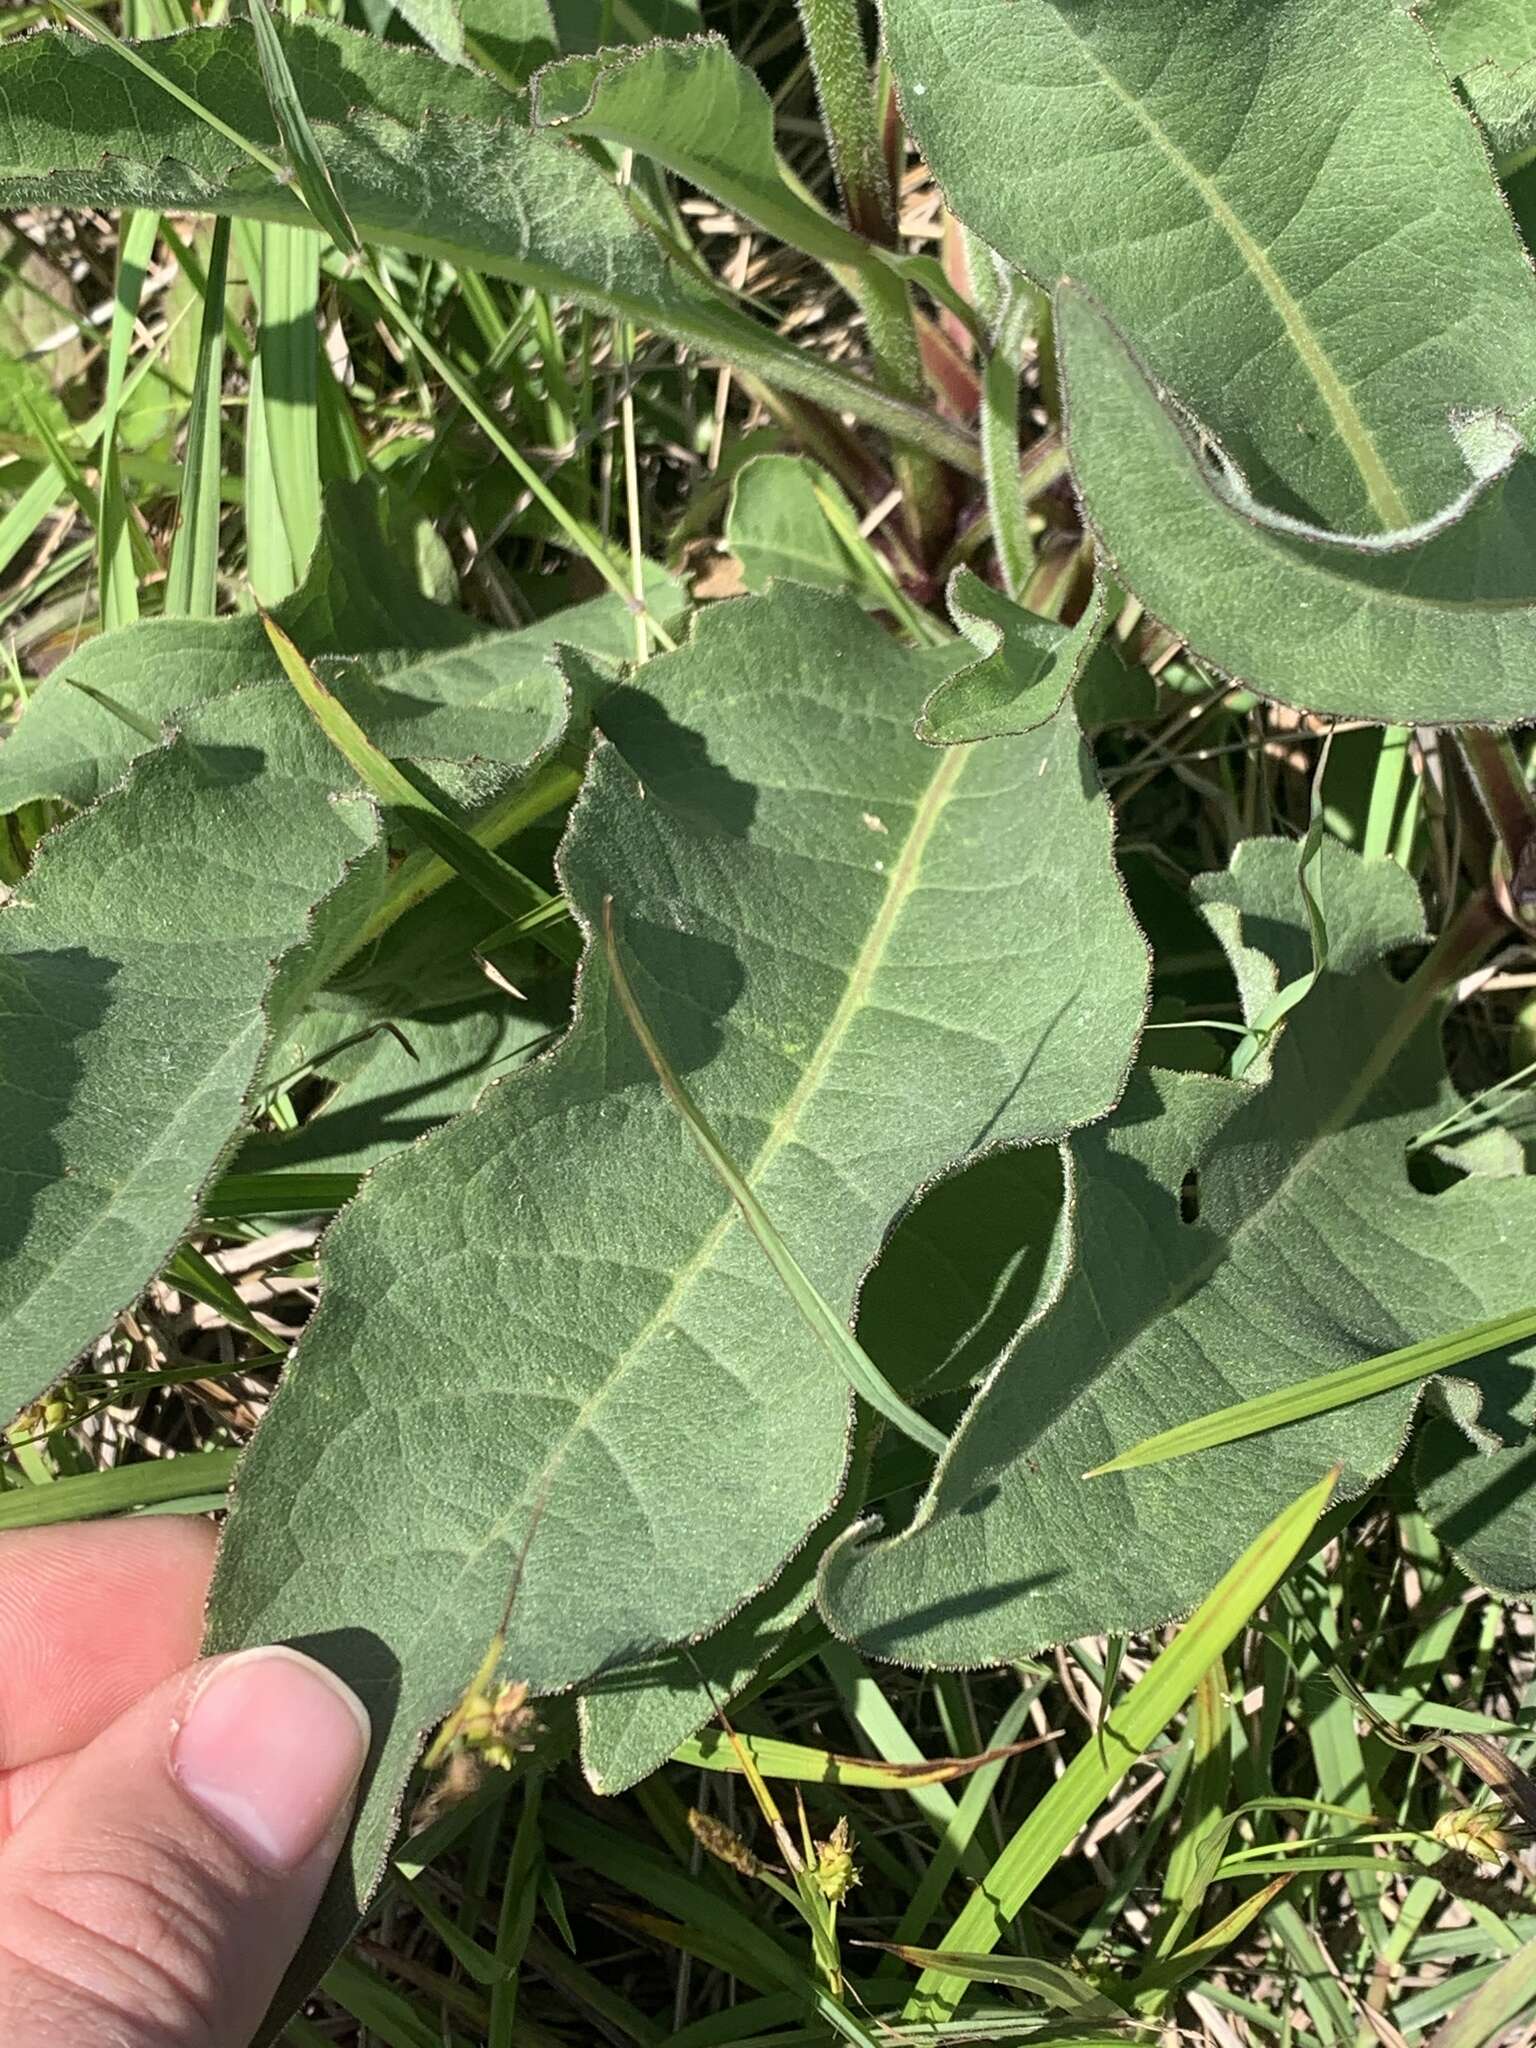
[{"x": 166, "y": 1825}]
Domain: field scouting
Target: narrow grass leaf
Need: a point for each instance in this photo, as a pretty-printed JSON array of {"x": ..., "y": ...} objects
[
  {"x": 192, "y": 584},
  {"x": 1129, "y": 1732},
  {"x": 151, "y": 1482},
  {"x": 834, "y": 1335},
  {"x": 1327, "y": 1391},
  {"x": 305, "y": 160}
]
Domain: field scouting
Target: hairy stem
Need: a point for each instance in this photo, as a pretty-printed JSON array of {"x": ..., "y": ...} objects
[{"x": 834, "y": 41}]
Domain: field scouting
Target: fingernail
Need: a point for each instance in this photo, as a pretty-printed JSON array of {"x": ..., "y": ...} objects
[{"x": 270, "y": 1749}]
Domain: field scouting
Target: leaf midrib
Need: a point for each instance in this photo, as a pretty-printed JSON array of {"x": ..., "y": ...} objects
[
  {"x": 901, "y": 883},
  {"x": 1335, "y": 394}
]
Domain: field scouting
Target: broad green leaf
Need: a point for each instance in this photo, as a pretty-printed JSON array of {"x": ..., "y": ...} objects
[
  {"x": 1215, "y": 177},
  {"x": 356, "y": 599},
  {"x": 136, "y": 963},
  {"x": 510, "y": 38},
  {"x": 975, "y": 1260},
  {"x": 859, "y": 954},
  {"x": 439, "y": 23},
  {"x": 1489, "y": 48},
  {"x": 1328, "y": 1390},
  {"x": 776, "y": 525},
  {"x": 1027, "y": 664},
  {"x": 633, "y": 1721},
  {"x": 1230, "y": 1238},
  {"x": 426, "y": 683},
  {"x": 1336, "y": 317},
  {"x": 381, "y": 1098},
  {"x": 846, "y": 1356},
  {"x": 694, "y": 108},
  {"x": 1481, "y": 1503},
  {"x": 1437, "y": 633},
  {"x": 424, "y": 155}
]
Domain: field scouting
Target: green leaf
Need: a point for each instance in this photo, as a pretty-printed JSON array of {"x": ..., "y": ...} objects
[
  {"x": 844, "y": 1352},
  {"x": 503, "y": 886},
  {"x": 1027, "y": 664},
  {"x": 423, "y": 155},
  {"x": 1325, "y": 309},
  {"x": 1481, "y": 1501},
  {"x": 776, "y": 525},
  {"x": 1442, "y": 632},
  {"x": 1230, "y": 1238},
  {"x": 427, "y": 683},
  {"x": 1489, "y": 48},
  {"x": 1129, "y": 1730},
  {"x": 559, "y": 1309},
  {"x": 381, "y": 1098},
  {"x": 1320, "y": 304},
  {"x": 1326, "y": 1391},
  {"x": 136, "y": 965},
  {"x": 440, "y": 25},
  {"x": 633, "y": 1720},
  {"x": 694, "y": 108},
  {"x": 356, "y": 599}
]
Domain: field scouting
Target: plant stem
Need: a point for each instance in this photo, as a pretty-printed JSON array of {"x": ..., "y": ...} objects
[
  {"x": 834, "y": 41},
  {"x": 1511, "y": 806}
]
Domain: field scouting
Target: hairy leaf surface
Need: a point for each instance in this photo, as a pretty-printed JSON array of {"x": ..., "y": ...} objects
[
  {"x": 1439, "y": 633},
  {"x": 427, "y": 683},
  {"x": 1489, "y": 48},
  {"x": 866, "y": 959},
  {"x": 1335, "y": 315},
  {"x": 424, "y": 155},
  {"x": 356, "y": 599},
  {"x": 1229, "y": 1237},
  {"x": 136, "y": 960},
  {"x": 694, "y": 108}
]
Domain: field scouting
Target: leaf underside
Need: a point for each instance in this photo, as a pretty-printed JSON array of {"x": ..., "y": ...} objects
[
  {"x": 1327, "y": 311},
  {"x": 863, "y": 957}
]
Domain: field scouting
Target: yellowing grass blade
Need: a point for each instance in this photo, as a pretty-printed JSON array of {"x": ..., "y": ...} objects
[
  {"x": 1130, "y": 1730},
  {"x": 1047, "y": 1981},
  {"x": 773, "y": 1759},
  {"x": 1327, "y": 1390},
  {"x": 843, "y": 1347}
]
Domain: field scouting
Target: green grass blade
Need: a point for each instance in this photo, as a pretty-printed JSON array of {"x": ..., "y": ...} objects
[
  {"x": 192, "y": 1273},
  {"x": 192, "y": 584},
  {"x": 1048, "y": 1981},
  {"x": 1496, "y": 2002},
  {"x": 240, "y": 1195},
  {"x": 1326, "y": 1391},
  {"x": 114, "y": 526},
  {"x": 839, "y": 1341},
  {"x": 309, "y": 167},
  {"x": 510, "y": 892},
  {"x": 153, "y": 1482},
  {"x": 1127, "y": 1734}
]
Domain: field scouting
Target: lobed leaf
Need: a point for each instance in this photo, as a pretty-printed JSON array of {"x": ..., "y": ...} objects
[
  {"x": 862, "y": 956},
  {"x": 1229, "y": 1238}
]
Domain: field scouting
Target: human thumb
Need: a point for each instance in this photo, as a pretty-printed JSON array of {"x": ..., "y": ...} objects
[{"x": 154, "y": 1895}]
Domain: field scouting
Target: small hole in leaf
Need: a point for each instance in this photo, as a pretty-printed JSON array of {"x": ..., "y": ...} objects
[{"x": 1189, "y": 1196}]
